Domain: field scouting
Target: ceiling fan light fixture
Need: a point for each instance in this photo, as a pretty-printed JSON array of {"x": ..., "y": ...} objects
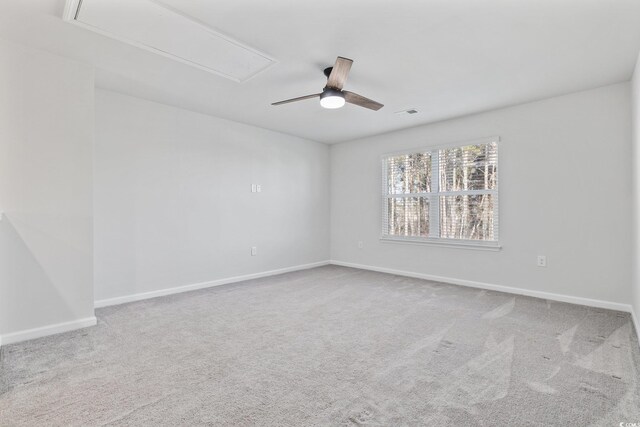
[{"x": 331, "y": 98}]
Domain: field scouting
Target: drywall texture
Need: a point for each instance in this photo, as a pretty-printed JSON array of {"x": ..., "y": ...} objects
[
  {"x": 635, "y": 102},
  {"x": 174, "y": 205},
  {"x": 46, "y": 142},
  {"x": 564, "y": 192}
]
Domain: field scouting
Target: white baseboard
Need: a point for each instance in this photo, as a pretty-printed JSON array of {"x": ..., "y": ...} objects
[
  {"x": 195, "y": 286},
  {"x": 519, "y": 291},
  {"x": 636, "y": 322},
  {"x": 29, "y": 334}
]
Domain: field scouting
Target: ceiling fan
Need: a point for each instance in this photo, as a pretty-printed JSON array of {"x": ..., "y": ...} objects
[{"x": 332, "y": 96}]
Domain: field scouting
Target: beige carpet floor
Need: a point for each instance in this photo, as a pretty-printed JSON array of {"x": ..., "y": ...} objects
[{"x": 331, "y": 346}]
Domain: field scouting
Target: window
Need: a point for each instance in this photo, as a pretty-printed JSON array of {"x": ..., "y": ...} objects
[{"x": 442, "y": 195}]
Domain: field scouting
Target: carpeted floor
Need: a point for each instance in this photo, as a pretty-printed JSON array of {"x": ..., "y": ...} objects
[{"x": 331, "y": 346}]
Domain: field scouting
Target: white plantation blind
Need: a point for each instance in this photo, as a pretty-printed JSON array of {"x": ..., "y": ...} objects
[{"x": 442, "y": 194}]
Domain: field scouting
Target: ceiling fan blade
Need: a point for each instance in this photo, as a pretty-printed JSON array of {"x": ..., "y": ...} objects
[
  {"x": 300, "y": 98},
  {"x": 339, "y": 73},
  {"x": 354, "y": 98}
]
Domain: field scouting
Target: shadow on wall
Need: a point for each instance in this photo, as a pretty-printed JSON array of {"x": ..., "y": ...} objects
[{"x": 28, "y": 296}]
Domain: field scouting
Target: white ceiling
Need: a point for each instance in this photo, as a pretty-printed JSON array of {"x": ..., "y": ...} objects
[{"x": 446, "y": 58}]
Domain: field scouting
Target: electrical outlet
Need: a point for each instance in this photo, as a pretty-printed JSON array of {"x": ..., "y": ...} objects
[
  {"x": 542, "y": 261},
  {"x": 360, "y": 245},
  {"x": 253, "y": 188},
  {"x": 254, "y": 250},
  {"x": 258, "y": 188}
]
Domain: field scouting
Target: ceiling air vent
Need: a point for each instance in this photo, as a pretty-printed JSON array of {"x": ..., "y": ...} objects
[
  {"x": 409, "y": 111},
  {"x": 158, "y": 28}
]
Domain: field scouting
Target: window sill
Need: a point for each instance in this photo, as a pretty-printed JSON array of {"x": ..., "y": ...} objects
[{"x": 458, "y": 244}]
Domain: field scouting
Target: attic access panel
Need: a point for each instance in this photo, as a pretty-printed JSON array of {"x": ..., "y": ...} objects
[{"x": 156, "y": 27}]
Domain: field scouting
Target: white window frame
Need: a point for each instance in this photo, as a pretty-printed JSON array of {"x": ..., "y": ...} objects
[{"x": 434, "y": 208}]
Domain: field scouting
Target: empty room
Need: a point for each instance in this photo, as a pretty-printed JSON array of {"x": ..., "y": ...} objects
[{"x": 336, "y": 213}]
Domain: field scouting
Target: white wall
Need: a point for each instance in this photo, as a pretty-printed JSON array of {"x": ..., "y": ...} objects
[
  {"x": 635, "y": 101},
  {"x": 46, "y": 142},
  {"x": 173, "y": 201},
  {"x": 564, "y": 192}
]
